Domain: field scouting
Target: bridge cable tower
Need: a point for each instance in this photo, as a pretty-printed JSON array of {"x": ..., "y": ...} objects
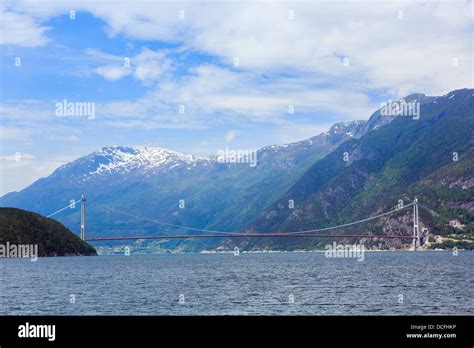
[
  {"x": 416, "y": 229},
  {"x": 83, "y": 216}
]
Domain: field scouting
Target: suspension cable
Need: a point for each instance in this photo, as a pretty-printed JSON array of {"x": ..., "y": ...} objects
[
  {"x": 226, "y": 232},
  {"x": 67, "y": 206}
]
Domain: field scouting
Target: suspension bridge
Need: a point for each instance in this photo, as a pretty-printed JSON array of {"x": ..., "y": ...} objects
[{"x": 206, "y": 233}]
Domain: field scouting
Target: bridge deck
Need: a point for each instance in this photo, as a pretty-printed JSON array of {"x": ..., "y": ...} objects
[{"x": 251, "y": 235}]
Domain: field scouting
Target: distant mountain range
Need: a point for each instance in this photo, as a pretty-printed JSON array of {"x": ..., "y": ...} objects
[{"x": 353, "y": 170}]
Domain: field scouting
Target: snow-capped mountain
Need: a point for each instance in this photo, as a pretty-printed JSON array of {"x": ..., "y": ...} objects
[
  {"x": 127, "y": 160},
  {"x": 146, "y": 161}
]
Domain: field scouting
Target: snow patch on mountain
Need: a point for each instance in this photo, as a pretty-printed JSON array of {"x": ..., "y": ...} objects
[{"x": 127, "y": 159}]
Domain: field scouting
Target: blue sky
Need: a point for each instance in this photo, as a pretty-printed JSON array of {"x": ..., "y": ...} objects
[{"x": 187, "y": 53}]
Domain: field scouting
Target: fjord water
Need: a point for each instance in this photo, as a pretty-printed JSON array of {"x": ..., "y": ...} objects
[{"x": 250, "y": 283}]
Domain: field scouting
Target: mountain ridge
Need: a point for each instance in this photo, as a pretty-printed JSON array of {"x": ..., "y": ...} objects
[{"x": 385, "y": 164}]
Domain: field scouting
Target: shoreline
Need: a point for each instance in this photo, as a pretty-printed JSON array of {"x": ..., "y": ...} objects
[{"x": 230, "y": 252}]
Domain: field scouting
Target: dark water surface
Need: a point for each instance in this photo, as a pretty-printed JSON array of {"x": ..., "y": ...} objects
[{"x": 264, "y": 283}]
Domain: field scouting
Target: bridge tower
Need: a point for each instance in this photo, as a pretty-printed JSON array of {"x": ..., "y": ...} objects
[
  {"x": 416, "y": 230},
  {"x": 83, "y": 216}
]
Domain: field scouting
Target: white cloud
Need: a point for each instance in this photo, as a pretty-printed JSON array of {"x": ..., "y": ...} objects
[
  {"x": 150, "y": 65},
  {"x": 112, "y": 73},
  {"x": 412, "y": 54},
  {"x": 213, "y": 96},
  {"x": 16, "y": 175},
  {"x": 243, "y": 96},
  {"x": 21, "y": 29},
  {"x": 147, "y": 66}
]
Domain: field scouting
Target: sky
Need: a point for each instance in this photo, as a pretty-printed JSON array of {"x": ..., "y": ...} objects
[{"x": 201, "y": 76}]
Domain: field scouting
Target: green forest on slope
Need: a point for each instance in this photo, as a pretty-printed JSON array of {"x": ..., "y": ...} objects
[
  {"x": 401, "y": 160},
  {"x": 19, "y": 226}
]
